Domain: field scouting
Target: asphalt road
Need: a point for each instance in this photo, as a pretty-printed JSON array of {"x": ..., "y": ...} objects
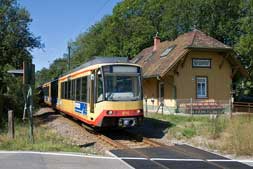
[
  {"x": 158, "y": 158},
  {"x": 33, "y": 160}
]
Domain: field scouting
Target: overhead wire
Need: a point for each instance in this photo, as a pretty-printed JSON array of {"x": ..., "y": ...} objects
[{"x": 96, "y": 15}]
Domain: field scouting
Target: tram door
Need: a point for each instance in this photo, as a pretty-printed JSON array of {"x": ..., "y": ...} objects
[{"x": 54, "y": 93}]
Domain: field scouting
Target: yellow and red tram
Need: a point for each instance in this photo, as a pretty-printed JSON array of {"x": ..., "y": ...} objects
[{"x": 104, "y": 92}]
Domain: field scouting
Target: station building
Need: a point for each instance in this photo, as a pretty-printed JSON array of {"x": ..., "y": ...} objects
[{"x": 193, "y": 68}]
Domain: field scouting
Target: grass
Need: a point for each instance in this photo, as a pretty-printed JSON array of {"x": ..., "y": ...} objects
[
  {"x": 240, "y": 138},
  {"x": 228, "y": 135},
  {"x": 45, "y": 140}
]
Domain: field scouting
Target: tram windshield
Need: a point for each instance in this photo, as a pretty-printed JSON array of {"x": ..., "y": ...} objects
[{"x": 121, "y": 86}]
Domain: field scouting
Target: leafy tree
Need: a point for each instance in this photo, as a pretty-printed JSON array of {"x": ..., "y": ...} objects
[
  {"x": 133, "y": 24},
  {"x": 16, "y": 40},
  {"x": 244, "y": 46}
]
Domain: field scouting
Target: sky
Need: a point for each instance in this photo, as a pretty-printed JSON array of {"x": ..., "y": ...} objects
[{"x": 59, "y": 21}]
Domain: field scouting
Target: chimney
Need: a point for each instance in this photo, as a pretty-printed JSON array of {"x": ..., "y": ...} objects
[{"x": 156, "y": 42}]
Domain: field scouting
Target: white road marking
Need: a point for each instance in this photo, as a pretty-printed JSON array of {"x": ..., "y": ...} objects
[
  {"x": 229, "y": 160},
  {"x": 133, "y": 158},
  {"x": 221, "y": 160},
  {"x": 57, "y": 154},
  {"x": 174, "y": 159}
]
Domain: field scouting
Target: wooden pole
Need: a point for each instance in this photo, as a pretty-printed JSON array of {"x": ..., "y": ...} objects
[
  {"x": 30, "y": 110},
  {"x": 11, "y": 132},
  {"x": 1, "y": 110},
  {"x": 191, "y": 107}
]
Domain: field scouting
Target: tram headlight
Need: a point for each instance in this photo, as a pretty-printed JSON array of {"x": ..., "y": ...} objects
[
  {"x": 139, "y": 111},
  {"x": 109, "y": 112}
]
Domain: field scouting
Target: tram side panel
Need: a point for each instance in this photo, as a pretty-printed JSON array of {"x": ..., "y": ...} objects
[{"x": 73, "y": 97}]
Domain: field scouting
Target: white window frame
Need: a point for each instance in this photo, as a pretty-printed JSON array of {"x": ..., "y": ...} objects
[
  {"x": 203, "y": 93},
  {"x": 198, "y": 63}
]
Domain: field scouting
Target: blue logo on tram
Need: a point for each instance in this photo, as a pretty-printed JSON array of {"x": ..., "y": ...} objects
[{"x": 81, "y": 107}]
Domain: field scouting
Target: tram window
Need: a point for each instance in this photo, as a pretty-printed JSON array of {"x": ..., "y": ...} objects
[
  {"x": 62, "y": 90},
  {"x": 99, "y": 88},
  {"x": 78, "y": 84},
  {"x": 84, "y": 90},
  {"x": 66, "y": 90},
  {"x": 46, "y": 91},
  {"x": 73, "y": 87},
  {"x": 69, "y": 89}
]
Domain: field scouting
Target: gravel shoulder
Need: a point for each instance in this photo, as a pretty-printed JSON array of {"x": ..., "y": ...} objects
[{"x": 69, "y": 129}]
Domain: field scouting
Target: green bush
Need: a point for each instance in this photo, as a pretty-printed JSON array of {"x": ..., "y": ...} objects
[{"x": 189, "y": 132}]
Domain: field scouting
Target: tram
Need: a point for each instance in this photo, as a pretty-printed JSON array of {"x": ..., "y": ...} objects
[{"x": 104, "y": 92}]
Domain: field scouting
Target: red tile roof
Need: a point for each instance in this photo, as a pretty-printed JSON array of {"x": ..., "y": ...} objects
[{"x": 153, "y": 65}]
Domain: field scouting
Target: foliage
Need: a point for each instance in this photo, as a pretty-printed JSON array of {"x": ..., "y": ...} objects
[
  {"x": 57, "y": 68},
  {"x": 133, "y": 24},
  {"x": 244, "y": 47},
  {"x": 16, "y": 42}
]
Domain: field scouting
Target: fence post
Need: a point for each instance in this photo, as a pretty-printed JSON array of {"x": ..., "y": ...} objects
[
  {"x": 249, "y": 107},
  {"x": 191, "y": 106},
  {"x": 230, "y": 108},
  {"x": 146, "y": 102},
  {"x": 153, "y": 104},
  {"x": 11, "y": 131}
]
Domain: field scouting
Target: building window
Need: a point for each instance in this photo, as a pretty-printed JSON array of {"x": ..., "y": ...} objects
[
  {"x": 202, "y": 87},
  {"x": 201, "y": 63},
  {"x": 161, "y": 91},
  {"x": 167, "y": 51}
]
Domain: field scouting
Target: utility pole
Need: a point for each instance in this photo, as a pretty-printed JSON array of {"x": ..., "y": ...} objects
[{"x": 69, "y": 57}]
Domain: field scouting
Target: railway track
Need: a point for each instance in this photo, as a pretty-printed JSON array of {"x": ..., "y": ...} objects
[
  {"x": 132, "y": 142},
  {"x": 127, "y": 140}
]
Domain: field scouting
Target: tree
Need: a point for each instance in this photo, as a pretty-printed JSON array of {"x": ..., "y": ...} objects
[
  {"x": 16, "y": 40},
  {"x": 133, "y": 24},
  {"x": 244, "y": 46}
]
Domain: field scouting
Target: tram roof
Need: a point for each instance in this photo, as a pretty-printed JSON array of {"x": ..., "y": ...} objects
[
  {"x": 93, "y": 61},
  {"x": 98, "y": 60}
]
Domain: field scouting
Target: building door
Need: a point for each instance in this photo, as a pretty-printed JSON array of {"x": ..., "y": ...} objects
[
  {"x": 201, "y": 87},
  {"x": 161, "y": 92}
]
